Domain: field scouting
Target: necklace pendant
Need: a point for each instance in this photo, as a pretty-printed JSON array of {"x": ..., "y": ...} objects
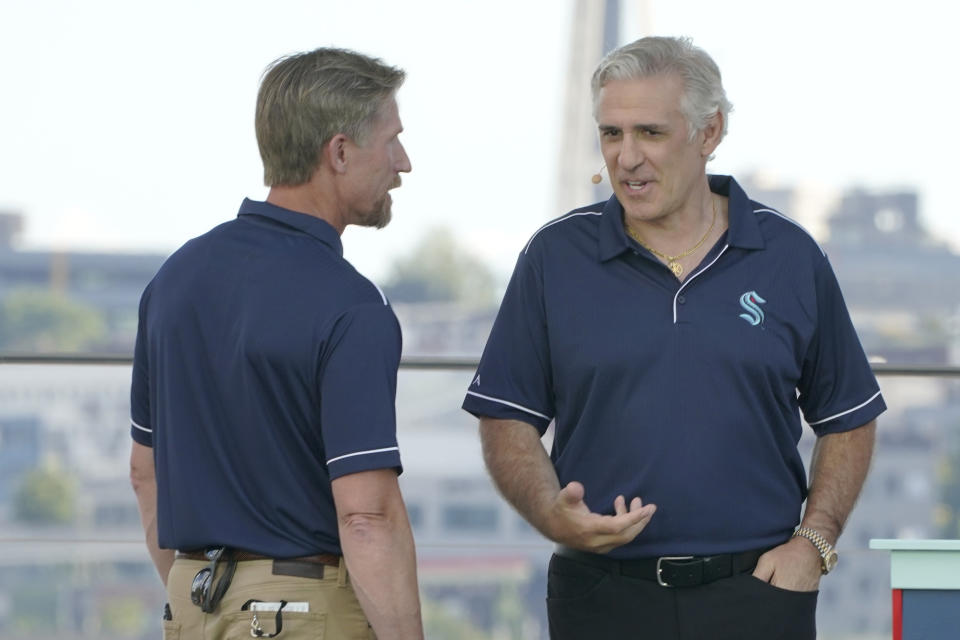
[{"x": 676, "y": 267}]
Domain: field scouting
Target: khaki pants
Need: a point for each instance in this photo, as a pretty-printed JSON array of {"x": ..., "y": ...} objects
[{"x": 334, "y": 612}]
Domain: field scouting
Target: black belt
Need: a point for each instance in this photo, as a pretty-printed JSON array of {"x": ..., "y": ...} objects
[
  {"x": 321, "y": 558},
  {"x": 301, "y": 567},
  {"x": 671, "y": 571}
]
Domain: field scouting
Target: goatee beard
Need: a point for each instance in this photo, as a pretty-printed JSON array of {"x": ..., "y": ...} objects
[{"x": 379, "y": 218}]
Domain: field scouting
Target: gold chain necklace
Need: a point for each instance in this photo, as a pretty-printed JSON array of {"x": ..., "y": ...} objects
[{"x": 672, "y": 263}]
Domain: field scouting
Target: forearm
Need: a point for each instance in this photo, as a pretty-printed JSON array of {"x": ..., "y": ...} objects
[
  {"x": 143, "y": 480},
  {"x": 379, "y": 551},
  {"x": 162, "y": 558},
  {"x": 838, "y": 469},
  {"x": 521, "y": 469}
]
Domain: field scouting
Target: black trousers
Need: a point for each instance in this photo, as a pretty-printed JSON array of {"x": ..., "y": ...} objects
[{"x": 588, "y": 603}]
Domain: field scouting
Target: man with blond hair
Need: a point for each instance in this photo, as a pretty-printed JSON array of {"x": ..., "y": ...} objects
[
  {"x": 672, "y": 335},
  {"x": 265, "y": 457}
]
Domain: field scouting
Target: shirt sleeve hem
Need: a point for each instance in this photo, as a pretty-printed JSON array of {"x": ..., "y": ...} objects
[
  {"x": 485, "y": 407},
  {"x": 141, "y": 435},
  {"x": 386, "y": 458},
  {"x": 851, "y": 418}
]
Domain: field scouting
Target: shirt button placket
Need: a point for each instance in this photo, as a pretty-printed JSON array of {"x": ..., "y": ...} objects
[{"x": 678, "y": 306}]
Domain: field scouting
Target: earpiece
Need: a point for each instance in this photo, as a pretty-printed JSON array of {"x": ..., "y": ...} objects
[{"x": 597, "y": 177}]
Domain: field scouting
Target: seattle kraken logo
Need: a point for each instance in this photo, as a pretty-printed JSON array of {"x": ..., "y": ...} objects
[{"x": 751, "y": 302}]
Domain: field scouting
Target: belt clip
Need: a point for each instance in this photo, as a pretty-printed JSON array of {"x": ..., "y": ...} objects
[{"x": 660, "y": 569}]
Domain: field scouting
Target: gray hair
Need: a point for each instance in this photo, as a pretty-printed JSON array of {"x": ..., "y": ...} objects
[
  {"x": 306, "y": 99},
  {"x": 703, "y": 94}
]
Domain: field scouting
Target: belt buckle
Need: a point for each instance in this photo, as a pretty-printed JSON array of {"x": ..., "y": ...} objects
[{"x": 660, "y": 570}]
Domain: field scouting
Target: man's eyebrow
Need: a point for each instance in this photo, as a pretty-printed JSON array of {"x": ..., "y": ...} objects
[
  {"x": 650, "y": 127},
  {"x": 636, "y": 127}
]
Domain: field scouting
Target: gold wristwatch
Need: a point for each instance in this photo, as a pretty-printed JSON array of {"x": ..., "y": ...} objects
[{"x": 828, "y": 555}]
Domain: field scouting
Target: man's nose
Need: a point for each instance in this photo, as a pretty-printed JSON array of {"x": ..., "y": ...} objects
[
  {"x": 631, "y": 153},
  {"x": 403, "y": 162}
]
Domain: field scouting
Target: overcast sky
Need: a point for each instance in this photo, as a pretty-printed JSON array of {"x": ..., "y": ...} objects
[{"x": 128, "y": 125}]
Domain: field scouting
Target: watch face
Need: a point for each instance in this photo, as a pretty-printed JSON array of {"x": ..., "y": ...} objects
[{"x": 830, "y": 561}]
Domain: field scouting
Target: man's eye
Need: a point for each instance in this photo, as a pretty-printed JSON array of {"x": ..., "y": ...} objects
[{"x": 610, "y": 133}]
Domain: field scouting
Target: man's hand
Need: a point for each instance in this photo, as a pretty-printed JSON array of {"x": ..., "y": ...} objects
[
  {"x": 571, "y": 522},
  {"x": 523, "y": 473},
  {"x": 794, "y": 565}
]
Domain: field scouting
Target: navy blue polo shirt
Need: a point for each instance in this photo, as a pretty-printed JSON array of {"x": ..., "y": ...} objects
[
  {"x": 265, "y": 367},
  {"x": 686, "y": 395}
]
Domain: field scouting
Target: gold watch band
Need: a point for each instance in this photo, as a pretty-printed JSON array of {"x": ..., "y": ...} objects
[{"x": 828, "y": 557}]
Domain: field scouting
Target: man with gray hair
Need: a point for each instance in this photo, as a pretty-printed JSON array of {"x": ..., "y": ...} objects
[
  {"x": 265, "y": 456},
  {"x": 672, "y": 335}
]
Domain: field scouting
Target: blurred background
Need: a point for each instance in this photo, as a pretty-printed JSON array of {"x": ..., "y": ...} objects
[{"x": 126, "y": 128}]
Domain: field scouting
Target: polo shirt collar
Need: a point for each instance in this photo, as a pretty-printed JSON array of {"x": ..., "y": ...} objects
[
  {"x": 310, "y": 225},
  {"x": 743, "y": 231},
  {"x": 613, "y": 238}
]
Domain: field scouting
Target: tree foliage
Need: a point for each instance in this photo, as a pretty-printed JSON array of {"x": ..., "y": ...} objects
[
  {"x": 39, "y": 320},
  {"x": 440, "y": 270},
  {"x": 440, "y": 622},
  {"x": 46, "y": 496}
]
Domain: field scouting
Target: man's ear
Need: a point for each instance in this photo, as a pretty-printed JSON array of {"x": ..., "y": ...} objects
[
  {"x": 711, "y": 132},
  {"x": 335, "y": 153}
]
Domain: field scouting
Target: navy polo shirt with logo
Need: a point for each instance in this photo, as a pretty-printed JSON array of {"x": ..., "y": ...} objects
[
  {"x": 265, "y": 367},
  {"x": 689, "y": 394}
]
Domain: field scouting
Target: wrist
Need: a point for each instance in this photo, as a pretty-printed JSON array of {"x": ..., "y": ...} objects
[
  {"x": 828, "y": 555},
  {"x": 553, "y": 525}
]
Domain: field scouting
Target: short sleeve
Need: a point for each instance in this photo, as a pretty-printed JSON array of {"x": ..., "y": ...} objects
[
  {"x": 358, "y": 385},
  {"x": 838, "y": 391},
  {"x": 140, "y": 424},
  {"x": 513, "y": 380}
]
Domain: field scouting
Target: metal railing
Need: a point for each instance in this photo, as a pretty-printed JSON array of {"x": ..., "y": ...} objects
[{"x": 426, "y": 362}]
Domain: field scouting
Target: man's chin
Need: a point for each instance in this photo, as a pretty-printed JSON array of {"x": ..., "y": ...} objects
[
  {"x": 377, "y": 220},
  {"x": 384, "y": 220},
  {"x": 385, "y": 213}
]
